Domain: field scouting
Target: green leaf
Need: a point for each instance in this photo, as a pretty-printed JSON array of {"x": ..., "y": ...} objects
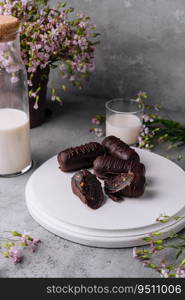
[
  {"x": 179, "y": 157},
  {"x": 159, "y": 247},
  {"x": 178, "y": 218},
  {"x": 139, "y": 251},
  {"x": 147, "y": 239},
  {"x": 170, "y": 267},
  {"x": 8, "y": 245},
  {"x": 182, "y": 263},
  {"x": 22, "y": 244},
  {"x": 6, "y": 254},
  {"x": 172, "y": 275},
  {"x": 166, "y": 220},
  {"x": 152, "y": 266},
  {"x": 15, "y": 233},
  {"x": 62, "y": 5},
  {"x": 58, "y": 99},
  {"x": 178, "y": 254},
  {"x": 38, "y": 90},
  {"x": 144, "y": 257},
  {"x": 156, "y": 233},
  {"x": 94, "y": 35},
  {"x": 146, "y": 251},
  {"x": 158, "y": 242},
  {"x": 173, "y": 235}
]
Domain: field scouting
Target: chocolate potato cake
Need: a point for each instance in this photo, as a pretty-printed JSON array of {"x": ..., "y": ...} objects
[
  {"x": 80, "y": 157},
  {"x": 117, "y": 148},
  {"x": 108, "y": 166},
  {"x": 87, "y": 187},
  {"x": 128, "y": 185}
]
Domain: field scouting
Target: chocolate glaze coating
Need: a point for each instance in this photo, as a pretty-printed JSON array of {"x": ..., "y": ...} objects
[
  {"x": 128, "y": 185},
  {"x": 86, "y": 186},
  {"x": 80, "y": 157},
  {"x": 109, "y": 166},
  {"x": 119, "y": 149}
]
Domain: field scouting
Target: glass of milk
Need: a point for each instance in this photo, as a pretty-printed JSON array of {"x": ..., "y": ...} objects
[
  {"x": 15, "y": 151},
  {"x": 124, "y": 119}
]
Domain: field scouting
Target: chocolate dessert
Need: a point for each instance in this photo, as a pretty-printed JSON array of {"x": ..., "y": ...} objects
[
  {"x": 86, "y": 186},
  {"x": 109, "y": 166},
  {"x": 128, "y": 185},
  {"x": 80, "y": 157},
  {"x": 119, "y": 149}
]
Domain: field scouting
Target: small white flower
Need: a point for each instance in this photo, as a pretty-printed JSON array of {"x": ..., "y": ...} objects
[
  {"x": 33, "y": 95},
  {"x": 180, "y": 273},
  {"x": 36, "y": 105},
  {"x": 164, "y": 273},
  {"x": 146, "y": 118},
  {"x": 14, "y": 79},
  {"x": 29, "y": 83},
  {"x": 146, "y": 130}
]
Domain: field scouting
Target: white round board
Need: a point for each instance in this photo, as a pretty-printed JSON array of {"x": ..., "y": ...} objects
[{"x": 51, "y": 202}]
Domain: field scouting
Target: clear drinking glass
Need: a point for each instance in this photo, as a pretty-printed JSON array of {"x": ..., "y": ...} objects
[
  {"x": 124, "y": 119},
  {"x": 15, "y": 151}
]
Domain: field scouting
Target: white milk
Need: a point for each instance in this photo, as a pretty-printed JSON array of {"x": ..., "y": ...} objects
[
  {"x": 15, "y": 154},
  {"x": 124, "y": 126}
]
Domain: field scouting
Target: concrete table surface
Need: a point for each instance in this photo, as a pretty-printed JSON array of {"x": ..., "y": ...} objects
[{"x": 56, "y": 257}]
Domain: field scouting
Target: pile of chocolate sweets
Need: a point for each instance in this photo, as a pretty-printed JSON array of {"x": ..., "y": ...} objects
[{"x": 113, "y": 161}]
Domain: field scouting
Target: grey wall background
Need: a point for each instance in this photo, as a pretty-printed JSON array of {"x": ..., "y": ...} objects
[{"x": 142, "y": 48}]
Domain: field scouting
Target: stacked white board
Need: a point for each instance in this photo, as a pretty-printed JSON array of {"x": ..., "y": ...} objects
[{"x": 52, "y": 204}]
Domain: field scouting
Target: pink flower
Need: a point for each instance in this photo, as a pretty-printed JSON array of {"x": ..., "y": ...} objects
[
  {"x": 98, "y": 132},
  {"x": 146, "y": 118},
  {"x": 33, "y": 244},
  {"x": 91, "y": 67},
  {"x": 95, "y": 121},
  {"x": 31, "y": 69},
  {"x": 142, "y": 94},
  {"x": 24, "y": 236},
  {"x": 62, "y": 67},
  {"x": 180, "y": 273},
  {"x": 43, "y": 66},
  {"x": 83, "y": 24},
  {"x": 47, "y": 48},
  {"x": 72, "y": 78},
  {"x": 38, "y": 46},
  {"x": 16, "y": 254},
  {"x": 12, "y": 68}
]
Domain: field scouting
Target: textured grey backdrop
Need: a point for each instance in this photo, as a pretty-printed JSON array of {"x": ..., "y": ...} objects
[{"x": 142, "y": 48}]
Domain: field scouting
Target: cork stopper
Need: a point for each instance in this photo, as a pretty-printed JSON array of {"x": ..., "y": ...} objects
[{"x": 8, "y": 28}]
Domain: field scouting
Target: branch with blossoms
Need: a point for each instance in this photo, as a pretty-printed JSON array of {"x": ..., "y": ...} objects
[
  {"x": 157, "y": 244},
  {"x": 98, "y": 120},
  {"x": 53, "y": 37},
  {"x": 15, "y": 243},
  {"x": 156, "y": 129}
]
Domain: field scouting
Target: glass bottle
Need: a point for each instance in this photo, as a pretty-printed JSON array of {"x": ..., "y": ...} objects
[{"x": 15, "y": 150}]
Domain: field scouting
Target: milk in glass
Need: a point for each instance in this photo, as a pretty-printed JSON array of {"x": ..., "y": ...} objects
[
  {"x": 124, "y": 126},
  {"x": 15, "y": 154}
]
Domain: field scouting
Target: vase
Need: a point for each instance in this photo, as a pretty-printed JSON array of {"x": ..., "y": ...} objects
[{"x": 40, "y": 79}]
